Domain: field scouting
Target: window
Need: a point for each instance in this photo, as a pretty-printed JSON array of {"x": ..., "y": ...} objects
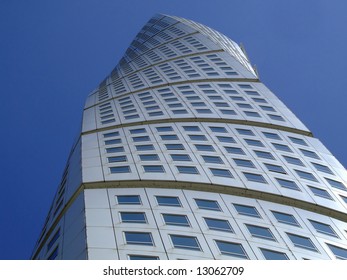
[
  {"x": 191, "y": 128},
  {"x": 198, "y": 137},
  {"x": 154, "y": 168},
  {"x": 272, "y": 135},
  {"x": 164, "y": 129},
  {"x": 252, "y": 92},
  {"x": 276, "y": 117},
  {"x": 322, "y": 168},
  {"x": 235, "y": 150},
  {"x": 174, "y": 146},
  {"x": 252, "y": 114},
  {"x": 185, "y": 242},
  {"x": 336, "y": 184},
  {"x": 244, "y": 162},
  {"x": 323, "y": 228},
  {"x": 168, "y": 201},
  {"x": 285, "y": 218},
  {"x": 142, "y": 257},
  {"x": 207, "y": 204},
  {"x": 287, "y": 184},
  {"x": 53, "y": 240},
  {"x": 117, "y": 159},
  {"x": 111, "y": 134},
  {"x": 218, "y": 224},
  {"x": 267, "y": 108},
  {"x": 255, "y": 177},
  {"x": 245, "y": 131},
  {"x": 226, "y": 139},
  {"x": 180, "y": 157},
  {"x": 309, "y": 154},
  {"x": 245, "y": 86},
  {"x": 151, "y": 157},
  {"x": 169, "y": 137},
  {"x": 340, "y": 253},
  {"x": 252, "y": 142},
  {"x": 282, "y": 147},
  {"x": 273, "y": 255},
  {"x": 187, "y": 170},
  {"x": 275, "y": 168},
  {"x": 259, "y": 100},
  {"x": 247, "y": 210},
  {"x": 113, "y": 142},
  {"x": 138, "y": 130},
  {"x": 138, "y": 238},
  {"x": 141, "y": 138},
  {"x": 306, "y": 175},
  {"x": 262, "y": 154},
  {"x": 260, "y": 232},
  {"x": 218, "y": 129},
  {"x": 133, "y": 217},
  {"x": 120, "y": 169},
  {"x": 221, "y": 172},
  {"x": 293, "y": 160},
  {"x": 302, "y": 242},
  {"x": 213, "y": 159},
  {"x": 205, "y": 148},
  {"x": 298, "y": 141},
  {"x": 115, "y": 150},
  {"x": 129, "y": 199},
  {"x": 144, "y": 147},
  {"x": 320, "y": 192},
  {"x": 231, "y": 249},
  {"x": 176, "y": 220}
]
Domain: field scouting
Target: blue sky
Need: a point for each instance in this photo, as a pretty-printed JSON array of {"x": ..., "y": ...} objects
[{"x": 53, "y": 53}]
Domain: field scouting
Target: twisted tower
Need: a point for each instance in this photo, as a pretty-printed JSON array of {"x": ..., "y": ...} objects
[{"x": 185, "y": 154}]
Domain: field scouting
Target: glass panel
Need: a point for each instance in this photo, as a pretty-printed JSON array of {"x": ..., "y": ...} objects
[
  {"x": 247, "y": 210},
  {"x": 320, "y": 192},
  {"x": 285, "y": 218},
  {"x": 323, "y": 228},
  {"x": 128, "y": 199},
  {"x": 274, "y": 255},
  {"x": 340, "y": 253},
  {"x": 187, "y": 170},
  {"x": 141, "y": 257},
  {"x": 217, "y": 224},
  {"x": 149, "y": 157},
  {"x": 231, "y": 249},
  {"x": 154, "y": 168},
  {"x": 180, "y": 157},
  {"x": 255, "y": 177},
  {"x": 176, "y": 220},
  {"x": 287, "y": 184},
  {"x": 212, "y": 159},
  {"x": 139, "y": 238},
  {"x": 185, "y": 242},
  {"x": 221, "y": 172},
  {"x": 168, "y": 201},
  {"x": 120, "y": 169},
  {"x": 261, "y": 232},
  {"x": 302, "y": 242},
  {"x": 208, "y": 204}
]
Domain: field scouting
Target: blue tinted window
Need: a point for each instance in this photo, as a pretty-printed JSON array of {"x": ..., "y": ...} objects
[
  {"x": 154, "y": 168},
  {"x": 176, "y": 220},
  {"x": 287, "y": 184},
  {"x": 255, "y": 177},
  {"x": 231, "y": 249},
  {"x": 117, "y": 159},
  {"x": 285, "y": 218},
  {"x": 133, "y": 217},
  {"x": 234, "y": 150},
  {"x": 144, "y": 147},
  {"x": 320, "y": 192},
  {"x": 306, "y": 175},
  {"x": 340, "y": 253},
  {"x": 205, "y": 148},
  {"x": 120, "y": 169},
  {"x": 128, "y": 199},
  {"x": 252, "y": 142},
  {"x": 323, "y": 228},
  {"x": 185, "y": 242},
  {"x": 244, "y": 162},
  {"x": 275, "y": 168},
  {"x": 142, "y": 257},
  {"x": 168, "y": 201},
  {"x": 169, "y": 137},
  {"x": 336, "y": 184},
  {"x": 302, "y": 242},
  {"x": 141, "y": 138},
  {"x": 282, "y": 147},
  {"x": 207, "y": 204},
  {"x": 261, "y": 232},
  {"x": 293, "y": 160},
  {"x": 138, "y": 238},
  {"x": 180, "y": 157},
  {"x": 218, "y": 224},
  {"x": 198, "y": 137},
  {"x": 149, "y": 157},
  {"x": 187, "y": 170},
  {"x": 273, "y": 255},
  {"x": 164, "y": 129},
  {"x": 263, "y": 154},
  {"x": 138, "y": 130},
  {"x": 212, "y": 159},
  {"x": 226, "y": 139},
  {"x": 271, "y": 135},
  {"x": 247, "y": 210},
  {"x": 115, "y": 150},
  {"x": 174, "y": 146},
  {"x": 245, "y": 131}
]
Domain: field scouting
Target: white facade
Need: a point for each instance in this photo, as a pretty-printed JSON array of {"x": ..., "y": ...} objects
[{"x": 185, "y": 154}]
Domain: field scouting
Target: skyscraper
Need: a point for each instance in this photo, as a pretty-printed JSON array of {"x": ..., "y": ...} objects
[{"x": 185, "y": 154}]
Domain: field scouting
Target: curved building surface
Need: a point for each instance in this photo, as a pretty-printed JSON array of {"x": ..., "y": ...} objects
[{"x": 185, "y": 154}]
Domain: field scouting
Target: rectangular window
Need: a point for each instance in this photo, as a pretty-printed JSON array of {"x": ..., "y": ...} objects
[
  {"x": 218, "y": 129},
  {"x": 275, "y": 168},
  {"x": 187, "y": 170},
  {"x": 256, "y": 143},
  {"x": 144, "y": 147},
  {"x": 164, "y": 129},
  {"x": 306, "y": 175},
  {"x": 154, "y": 168},
  {"x": 191, "y": 128},
  {"x": 54, "y": 254},
  {"x": 226, "y": 139},
  {"x": 198, "y": 137},
  {"x": 271, "y": 135},
  {"x": 111, "y": 134},
  {"x": 262, "y": 154},
  {"x": 260, "y": 232},
  {"x": 336, "y": 184},
  {"x": 174, "y": 146},
  {"x": 117, "y": 159},
  {"x": 273, "y": 255},
  {"x": 120, "y": 169},
  {"x": 137, "y": 131},
  {"x": 287, "y": 184},
  {"x": 252, "y": 114},
  {"x": 323, "y": 228},
  {"x": 247, "y": 210},
  {"x": 221, "y": 172},
  {"x": 298, "y": 141},
  {"x": 267, "y": 108},
  {"x": 285, "y": 218},
  {"x": 185, "y": 242},
  {"x": 180, "y": 157},
  {"x": 340, "y": 253},
  {"x": 276, "y": 117},
  {"x": 282, "y": 147},
  {"x": 138, "y": 238},
  {"x": 231, "y": 249},
  {"x": 244, "y": 162},
  {"x": 218, "y": 224},
  {"x": 205, "y": 148},
  {"x": 309, "y": 154},
  {"x": 142, "y": 257},
  {"x": 234, "y": 150},
  {"x": 207, "y": 204},
  {"x": 113, "y": 142},
  {"x": 293, "y": 160},
  {"x": 320, "y": 192},
  {"x": 114, "y": 150},
  {"x": 254, "y": 177},
  {"x": 169, "y": 137},
  {"x": 151, "y": 157},
  {"x": 176, "y": 220},
  {"x": 245, "y": 131},
  {"x": 133, "y": 217},
  {"x": 322, "y": 168},
  {"x": 302, "y": 242},
  {"x": 129, "y": 199},
  {"x": 212, "y": 159},
  {"x": 141, "y": 139},
  {"x": 168, "y": 201}
]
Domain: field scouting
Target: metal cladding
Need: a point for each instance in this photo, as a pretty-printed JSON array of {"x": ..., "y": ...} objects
[{"x": 185, "y": 154}]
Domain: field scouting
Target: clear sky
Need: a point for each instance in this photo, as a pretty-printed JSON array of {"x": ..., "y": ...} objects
[{"x": 53, "y": 53}]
